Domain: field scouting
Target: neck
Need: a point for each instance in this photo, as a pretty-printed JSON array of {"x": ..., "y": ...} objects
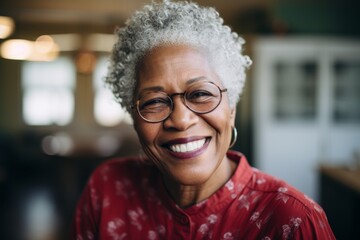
[{"x": 187, "y": 195}]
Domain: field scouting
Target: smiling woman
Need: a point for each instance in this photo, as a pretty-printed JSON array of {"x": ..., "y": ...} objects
[
  {"x": 179, "y": 72},
  {"x": 180, "y": 69}
]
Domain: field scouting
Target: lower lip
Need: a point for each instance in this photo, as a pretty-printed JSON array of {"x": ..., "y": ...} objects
[{"x": 191, "y": 154}]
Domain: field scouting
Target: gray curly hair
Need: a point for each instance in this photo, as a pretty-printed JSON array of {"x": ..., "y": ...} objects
[{"x": 176, "y": 23}]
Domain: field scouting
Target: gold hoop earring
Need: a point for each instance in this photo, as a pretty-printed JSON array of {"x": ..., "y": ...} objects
[{"x": 233, "y": 137}]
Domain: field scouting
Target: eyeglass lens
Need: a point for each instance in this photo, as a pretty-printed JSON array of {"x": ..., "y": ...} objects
[{"x": 156, "y": 106}]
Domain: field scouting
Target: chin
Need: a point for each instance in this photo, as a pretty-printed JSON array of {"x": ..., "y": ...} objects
[{"x": 187, "y": 178}]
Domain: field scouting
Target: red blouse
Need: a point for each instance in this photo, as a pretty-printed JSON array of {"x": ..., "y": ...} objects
[{"x": 126, "y": 199}]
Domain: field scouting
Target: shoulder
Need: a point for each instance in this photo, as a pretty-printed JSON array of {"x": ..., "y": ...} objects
[
  {"x": 120, "y": 179},
  {"x": 287, "y": 209},
  {"x": 115, "y": 187},
  {"x": 126, "y": 171},
  {"x": 277, "y": 190}
]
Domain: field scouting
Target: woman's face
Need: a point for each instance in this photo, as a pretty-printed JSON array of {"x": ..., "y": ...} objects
[{"x": 189, "y": 148}]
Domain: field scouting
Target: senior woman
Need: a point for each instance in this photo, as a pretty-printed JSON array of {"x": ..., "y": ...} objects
[{"x": 179, "y": 72}]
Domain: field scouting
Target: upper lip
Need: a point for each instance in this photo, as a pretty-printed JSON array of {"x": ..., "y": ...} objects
[{"x": 182, "y": 140}]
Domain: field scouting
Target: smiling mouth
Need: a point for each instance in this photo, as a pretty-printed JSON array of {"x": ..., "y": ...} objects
[{"x": 188, "y": 147}]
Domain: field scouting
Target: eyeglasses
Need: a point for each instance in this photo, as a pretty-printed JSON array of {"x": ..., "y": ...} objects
[{"x": 200, "y": 97}]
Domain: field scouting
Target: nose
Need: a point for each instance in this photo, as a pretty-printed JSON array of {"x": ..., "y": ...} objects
[{"x": 181, "y": 118}]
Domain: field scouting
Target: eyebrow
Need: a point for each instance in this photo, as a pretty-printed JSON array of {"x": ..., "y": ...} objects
[
  {"x": 190, "y": 81},
  {"x": 159, "y": 88}
]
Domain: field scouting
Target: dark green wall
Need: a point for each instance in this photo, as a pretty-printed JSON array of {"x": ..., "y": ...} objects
[{"x": 324, "y": 17}]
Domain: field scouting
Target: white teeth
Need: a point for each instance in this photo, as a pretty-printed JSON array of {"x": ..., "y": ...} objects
[{"x": 187, "y": 147}]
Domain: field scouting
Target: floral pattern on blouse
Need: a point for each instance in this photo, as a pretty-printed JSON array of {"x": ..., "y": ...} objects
[{"x": 126, "y": 199}]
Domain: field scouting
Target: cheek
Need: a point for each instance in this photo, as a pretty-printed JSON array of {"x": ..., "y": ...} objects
[
  {"x": 220, "y": 120},
  {"x": 147, "y": 133}
]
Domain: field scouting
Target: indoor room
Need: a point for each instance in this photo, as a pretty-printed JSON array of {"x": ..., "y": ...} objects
[{"x": 298, "y": 118}]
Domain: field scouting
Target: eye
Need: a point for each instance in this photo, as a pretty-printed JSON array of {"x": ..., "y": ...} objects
[
  {"x": 199, "y": 96},
  {"x": 154, "y": 103}
]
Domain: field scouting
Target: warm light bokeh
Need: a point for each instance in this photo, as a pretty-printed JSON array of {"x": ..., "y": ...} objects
[
  {"x": 7, "y": 26},
  {"x": 43, "y": 49}
]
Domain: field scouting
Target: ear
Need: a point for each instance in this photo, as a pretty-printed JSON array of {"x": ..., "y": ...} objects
[{"x": 232, "y": 116}]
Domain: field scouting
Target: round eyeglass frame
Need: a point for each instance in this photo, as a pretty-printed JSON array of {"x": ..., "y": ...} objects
[{"x": 182, "y": 94}]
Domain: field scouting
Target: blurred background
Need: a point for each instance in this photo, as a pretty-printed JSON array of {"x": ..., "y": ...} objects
[{"x": 298, "y": 119}]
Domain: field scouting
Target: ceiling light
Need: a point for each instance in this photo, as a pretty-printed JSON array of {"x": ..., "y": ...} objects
[
  {"x": 6, "y": 26},
  {"x": 17, "y": 49},
  {"x": 45, "y": 49}
]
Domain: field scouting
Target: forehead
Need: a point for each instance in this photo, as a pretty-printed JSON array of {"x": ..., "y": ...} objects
[{"x": 174, "y": 66}]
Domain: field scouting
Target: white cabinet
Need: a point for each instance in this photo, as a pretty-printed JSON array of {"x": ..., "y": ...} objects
[{"x": 306, "y": 106}]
